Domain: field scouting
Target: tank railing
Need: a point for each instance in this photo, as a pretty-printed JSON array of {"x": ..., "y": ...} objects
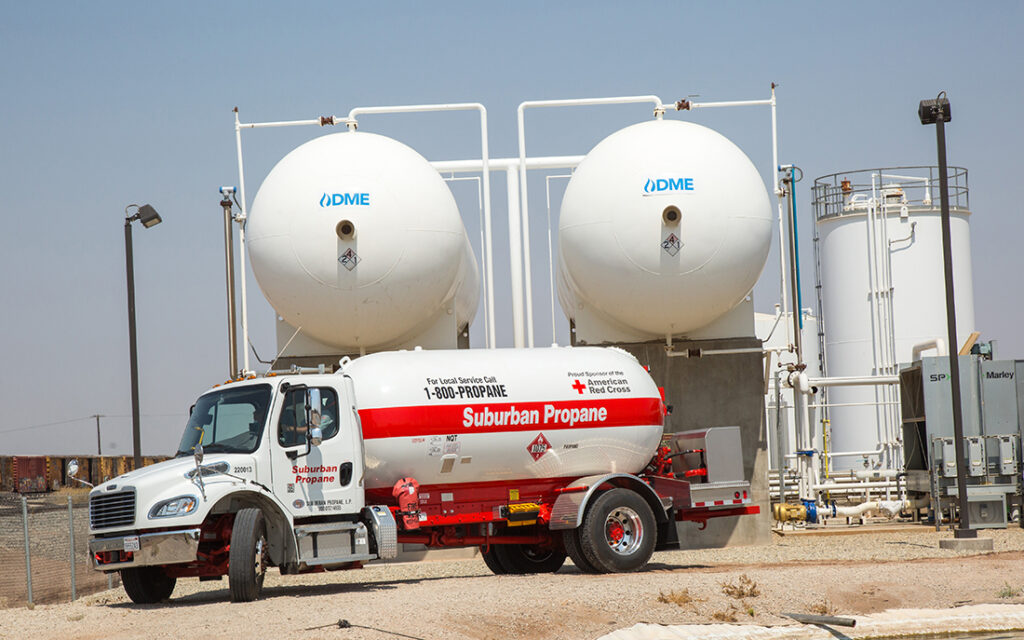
[{"x": 832, "y": 199}]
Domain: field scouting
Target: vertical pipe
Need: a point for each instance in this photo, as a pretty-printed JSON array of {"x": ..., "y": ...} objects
[
  {"x": 524, "y": 207},
  {"x": 780, "y": 452},
  {"x": 229, "y": 276},
  {"x": 99, "y": 444},
  {"x": 484, "y": 153},
  {"x": 964, "y": 530},
  {"x": 794, "y": 276},
  {"x": 515, "y": 247},
  {"x": 241, "y": 244},
  {"x": 132, "y": 350},
  {"x": 551, "y": 262},
  {"x": 778, "y": 200},
  {"x": 28, "y": 553},
  {"x": 71, "y": 539}
]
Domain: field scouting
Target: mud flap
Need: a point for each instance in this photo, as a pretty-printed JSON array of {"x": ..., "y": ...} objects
[{"x": 668, "y": 533}]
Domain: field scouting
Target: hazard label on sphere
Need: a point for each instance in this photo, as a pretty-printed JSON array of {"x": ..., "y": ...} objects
[
  {"x": 349, "y": 259},
  {"x": 538, "y": 447},
  {"x": 671, "y": 245}
]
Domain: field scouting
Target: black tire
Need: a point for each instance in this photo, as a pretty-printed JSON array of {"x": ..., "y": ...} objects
[
  {"x": 248, "y": 558},
  {"x": 491, "y": 560},
  {"x": 522, "y": 559},
  {"x": 619, "y": 532},
  {"x": 571, "y": 541},
  {"x": 147, "y": 585}
]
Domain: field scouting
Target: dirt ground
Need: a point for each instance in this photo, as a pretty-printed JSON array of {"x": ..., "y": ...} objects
[{"x": 865, "y": 572}]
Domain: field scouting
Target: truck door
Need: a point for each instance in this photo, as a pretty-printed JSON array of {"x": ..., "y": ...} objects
[{"x": 316, "y": 480}]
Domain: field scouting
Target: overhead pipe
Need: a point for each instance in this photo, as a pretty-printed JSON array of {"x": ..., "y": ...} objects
[
  {"x": 935, "y": 343},
  {"x": 488, "y": 262},
  {"x": 659, "y": 111}
]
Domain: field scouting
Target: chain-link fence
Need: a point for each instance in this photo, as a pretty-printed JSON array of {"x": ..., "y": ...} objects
[{"x": 44, "y": 549}]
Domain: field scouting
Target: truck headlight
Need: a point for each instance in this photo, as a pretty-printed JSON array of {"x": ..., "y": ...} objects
[{"x": 179, "y": 506}]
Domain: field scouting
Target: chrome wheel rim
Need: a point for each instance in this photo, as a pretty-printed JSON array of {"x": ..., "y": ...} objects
[
  {"x": 260, "y": 557},
  {"x": 623, "y": 531}
]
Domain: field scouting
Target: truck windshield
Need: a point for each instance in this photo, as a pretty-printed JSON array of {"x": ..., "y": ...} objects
[{"x": 228, "y": 421}]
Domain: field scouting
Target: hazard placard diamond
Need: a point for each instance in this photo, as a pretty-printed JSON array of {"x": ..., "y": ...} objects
[{"x": 538, "y": 447}]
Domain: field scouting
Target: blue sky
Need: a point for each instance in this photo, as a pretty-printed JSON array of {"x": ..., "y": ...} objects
[{"x": 106, "y": 104}]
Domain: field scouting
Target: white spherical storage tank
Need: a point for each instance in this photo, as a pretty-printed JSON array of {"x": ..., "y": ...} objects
[
  {"x": 665, "y": 226},
  {"x": 357, "y": 240},
  {"x": 879, "y": 234}
]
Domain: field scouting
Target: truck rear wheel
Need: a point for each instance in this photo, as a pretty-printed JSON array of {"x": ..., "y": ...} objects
[
  {"x": 528, "y": 558},
  {"x": 619, "y": 532},
  {"x": 491, "y": 560},
  {"x": 571, "y": 541},
  {"x": 248, "y": 558},
  {"x": 147, "y": 585}
]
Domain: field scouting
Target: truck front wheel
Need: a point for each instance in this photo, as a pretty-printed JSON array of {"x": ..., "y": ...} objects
[
  {"x": 147, "y": 585},
  {"x": 248, "y": 558},
  {"x": 619, "y": 532}
]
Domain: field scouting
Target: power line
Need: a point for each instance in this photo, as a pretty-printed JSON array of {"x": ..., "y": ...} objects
[
  {"x": 88, "y": 417},
  {"x": 48, "y": 424}
]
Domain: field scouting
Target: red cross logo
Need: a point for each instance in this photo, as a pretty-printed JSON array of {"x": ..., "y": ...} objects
[
  {"x": 538, "y": 447},
  {"x": 579, "y": 387}
]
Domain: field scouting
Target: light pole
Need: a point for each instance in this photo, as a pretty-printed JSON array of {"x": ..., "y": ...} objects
[
  {"x": 148, "y": 216},
  {"x": 937, "y": 112}
]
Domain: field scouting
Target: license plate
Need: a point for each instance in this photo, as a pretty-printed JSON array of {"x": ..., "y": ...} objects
[{"x": 131, "y": 543}]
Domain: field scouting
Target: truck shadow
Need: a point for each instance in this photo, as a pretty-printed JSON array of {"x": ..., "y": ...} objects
[{"x": 340, "y": 588}]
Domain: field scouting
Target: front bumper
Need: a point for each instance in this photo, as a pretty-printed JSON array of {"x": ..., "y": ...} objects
[{"x": 165, "y": 547}]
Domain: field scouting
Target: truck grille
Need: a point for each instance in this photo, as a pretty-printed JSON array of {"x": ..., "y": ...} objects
[{"x": 112, "y": 510}]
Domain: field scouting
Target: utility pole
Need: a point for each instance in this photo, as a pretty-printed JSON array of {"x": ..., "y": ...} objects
[{"x": 99, "y": 444}]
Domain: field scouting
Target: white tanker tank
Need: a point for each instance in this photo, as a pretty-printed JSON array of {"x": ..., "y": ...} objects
[
  {"x": 357, "y": 240},
  {"x": 449, "y": 417},
  {"x": 665, "y": 227}
]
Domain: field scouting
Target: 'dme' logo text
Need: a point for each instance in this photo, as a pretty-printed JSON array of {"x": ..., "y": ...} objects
[
  {"x": 662, "y": 185},
  {"x": 340, "y": 199}
]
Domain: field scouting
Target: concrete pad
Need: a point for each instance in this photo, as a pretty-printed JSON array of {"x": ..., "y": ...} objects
[
  {"x": 966, "y": 544},
  {"x": 886, "y": 624}
]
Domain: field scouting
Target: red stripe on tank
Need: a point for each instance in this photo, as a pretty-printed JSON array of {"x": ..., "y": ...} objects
[{"x": 400, "y": 422}]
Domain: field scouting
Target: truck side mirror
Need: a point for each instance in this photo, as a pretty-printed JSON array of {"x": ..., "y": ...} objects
[
  {"x": 316, "y": 436},
  {"x": 72, "y": 468}
]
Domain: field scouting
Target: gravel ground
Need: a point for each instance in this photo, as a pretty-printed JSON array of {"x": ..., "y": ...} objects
[{"x": 866, "y": 572}]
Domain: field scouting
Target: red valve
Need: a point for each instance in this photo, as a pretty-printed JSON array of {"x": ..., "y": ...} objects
[{"x": 407, "y": 492}]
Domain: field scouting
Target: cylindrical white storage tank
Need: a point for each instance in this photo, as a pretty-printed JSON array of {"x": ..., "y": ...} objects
[
  {"x": 447, "y": 417},
  {"x": 879, "y": 233},
  {"x": 357, "y": 240},
  {"x": 665, "y": 226}
]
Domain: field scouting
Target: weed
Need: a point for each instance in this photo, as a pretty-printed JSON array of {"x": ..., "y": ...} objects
[
  {"x": 681, "y": 598},
  {"x": 750, "y": 611},
  {"x": 823, "y": 608},
  {"x": 726, "y": 615},
  {"x": 1008, "y": 591},
  {"x": 743, "y": 588}
]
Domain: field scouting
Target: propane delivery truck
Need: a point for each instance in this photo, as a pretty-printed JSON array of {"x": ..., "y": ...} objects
[{"x": 532, "y": 455}]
